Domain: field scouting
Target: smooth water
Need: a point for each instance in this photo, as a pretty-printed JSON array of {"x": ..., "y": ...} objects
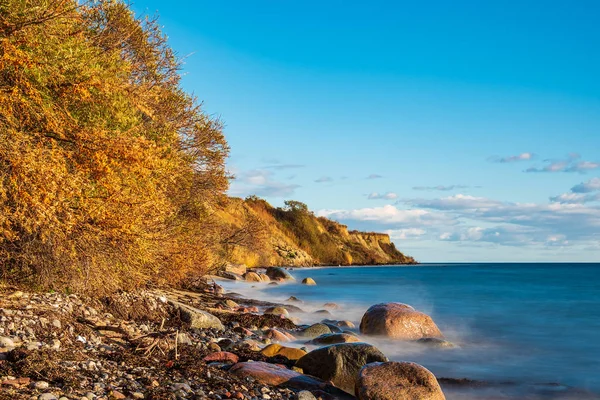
[{"x": 526, "y": 330}]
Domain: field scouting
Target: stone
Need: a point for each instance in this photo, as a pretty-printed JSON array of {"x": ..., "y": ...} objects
[
  {"x": 138, "y": 395},
  {"x": 333, "y": 338},
  {"x": 279, "y": 336},
  {"x": 306, "y": 395},
  {"x": 41, "y": 385},
  {"x": 221, "y": 356},
  {"x": 47, "y": 396},
  {"x": 231, "y": 276},
  {"x": 315, "y": 330},
  {"x": 346, "y": 324},
  {"x": 331, "y": 306},
  {"x": 213, "y": 347},
  {"x": 398, "y": 321},
  {"x": 277, "y": 311},
  {"x": 276, "y": 273},
  {"x": 264, "y": 277},
  {"x": 252, "y": 277},
  {"x": 238, "y": 269},
  {"x": 294, "y": 299},
  {"x": 397, "y": 380},
  {"x": 291, "y": 353},
  {"x": 340, "y": 363},
  {"x": 197, "y": 319},
  {"x": 6, "y": 342},
  {"x": 272, "y": 374},
  {"x": 57, "y": 324},
  {"x": 231, "y": 304},
  {"x": 309, "y": 281},
  {"x": 116, "y": 395}
]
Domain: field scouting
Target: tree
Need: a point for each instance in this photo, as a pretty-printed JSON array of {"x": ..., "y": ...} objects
[{"x": 295, "y": 206}]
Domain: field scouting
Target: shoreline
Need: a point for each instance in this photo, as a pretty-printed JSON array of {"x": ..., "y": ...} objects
[{"x": 162, "y": 344}]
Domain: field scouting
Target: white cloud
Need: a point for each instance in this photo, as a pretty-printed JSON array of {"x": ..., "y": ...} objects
[
  {"x": 261, "y": 183},
  {"x": 441, "y": 188},
  {"x": 585, "y": 187},
  {"x": 385, "y": 196},
  {"x": 456, "y": 202},
  {"x": 571, "y": 164},
  {"x": 510, "y": 159},
  {"x": 404, "y": 234},
  {"x": 386, "y": 215}
]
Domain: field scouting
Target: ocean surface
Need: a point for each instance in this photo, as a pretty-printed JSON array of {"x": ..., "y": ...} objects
[{"x": 524, "y": 331}]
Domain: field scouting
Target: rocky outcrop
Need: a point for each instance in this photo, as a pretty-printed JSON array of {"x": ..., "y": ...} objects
[
  {"x": 397, "y": 380},
  {"x": 398, "y": 321},
  {"x": 340, "y": 363}
]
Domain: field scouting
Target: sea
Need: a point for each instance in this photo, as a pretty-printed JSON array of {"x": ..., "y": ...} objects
[{"x": 523, "y": 331}]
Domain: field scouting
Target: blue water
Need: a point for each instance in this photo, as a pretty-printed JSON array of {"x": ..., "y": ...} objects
[{"x": 527, "y": 324}]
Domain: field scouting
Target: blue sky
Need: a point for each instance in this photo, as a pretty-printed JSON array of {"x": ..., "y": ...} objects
[{"x": 468, "y": 131}]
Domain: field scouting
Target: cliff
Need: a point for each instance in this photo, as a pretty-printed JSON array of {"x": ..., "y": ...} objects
[{"x": 294, "y": 236}]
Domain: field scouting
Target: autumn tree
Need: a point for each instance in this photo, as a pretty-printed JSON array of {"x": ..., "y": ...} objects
[{"x": 108, "y": 169}]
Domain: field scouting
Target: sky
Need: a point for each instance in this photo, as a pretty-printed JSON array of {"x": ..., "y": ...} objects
[{"x": 467, "y": 130}]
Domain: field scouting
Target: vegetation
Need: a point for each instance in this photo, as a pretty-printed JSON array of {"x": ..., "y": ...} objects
[{"x": 108, "y": 169}]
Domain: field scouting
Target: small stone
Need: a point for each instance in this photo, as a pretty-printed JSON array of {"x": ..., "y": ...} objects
[
  {"x": 116, "y": 395},
  {"x": 41, "y": 385},
  {"x": 137, "y": 395},
  {"x": 47, "y": 396},
  {"x": 214, "y": 347},
  {"x": 6, "y": 342},
  {"x": 57, "y": 324}
]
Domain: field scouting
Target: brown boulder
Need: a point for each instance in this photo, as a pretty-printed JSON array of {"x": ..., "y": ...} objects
[
  {"x": 291, "y": 353},
  {"x": 279, "y": 336},
  {"x": 398, "y": 321},
  {"x": 333, "y": 338},
  {"x": 222, "y": 356},
  {"x": 397, "y": 380},
  {"x": 309, "y": 281},
  {"x": 252, "y": 277}
]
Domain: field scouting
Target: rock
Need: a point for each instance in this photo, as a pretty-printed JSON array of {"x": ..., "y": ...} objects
[
  {"x": 252, "y": 277},
  {"x": 41, "y": 385},
  {"x": 197, "y": 318},
  {"x": 398, "y": 321},
  {"x": 279, "y": 336},
  {"x": 238, "y": 269},
  {"x": 231, "y": 304},
  {"x": 271, "y": 374},
  {"x": 117, "y": 395},
  {"x": 214, "y": 347},
  {"x": 306, "y": 395},
  {"x": 331, "y": 306},
  {"x": 340, "y": 363},
  {"x": 345, "y": 324},
  {"x": 316, "y": 330},
  {"x": 291, "y": 353},
  {"x": 437, "y": 342},
  {"x": 249, "y": 344},
  {"x": 57, "y": 324},
  {"x": 231, "y": 276},
  {"x": 294, "y": 299},
  {"x": 277, "y": 311},
  {"x": 333, "y": 328},
  {"x": 221, "y": 356},
  {"x": 6, "y": 342},
  {"x": 309, "y": 281},
  {"x": 322, "y": 312},
  {"x": 334, "y": 338},
  {"x": 47, "y": 396},
  {"x": 397, "y": 380},
  {"x": 264, "y": 277},
  {"x": 276, "y": 273}
]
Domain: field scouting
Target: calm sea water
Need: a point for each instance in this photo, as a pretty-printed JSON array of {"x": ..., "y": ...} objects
[{"x": 526, "y": 330}]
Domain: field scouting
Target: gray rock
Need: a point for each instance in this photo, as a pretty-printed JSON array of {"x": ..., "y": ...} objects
[
  {"x": 41, "y": 385},
  {"x": 315, "y": 330},
  {"x": 197, "y": 318},
  {"x": 340, "y": 363},
  {"x": 306, "y": 395},
  {"x": 279, "y": 273}
]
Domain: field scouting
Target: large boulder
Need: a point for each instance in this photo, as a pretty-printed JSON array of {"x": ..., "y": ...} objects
[
  {"x": 309, "y": 281},
  {"x": 272, "y": 374},
  {"x": 252, "y": 277},
  {"x": 340, "y": 363},
  {"x": 197, "y": 319},
  {"x": 398, "y": 321},
  {"x": 231, "y": 276},
  {"x": 397, "y": 380},
  {"x": 264, "y": 277},
  {"x": 238, "y": 269},
  {"x": 334, "y": 338},
  {"x": 277, "y": 310},
  {"x": 276, "y": 273}
]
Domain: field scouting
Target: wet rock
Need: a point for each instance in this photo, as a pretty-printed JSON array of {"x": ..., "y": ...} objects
[
  {"x": 334, "y": 338},
  {"x": 398, "y": 321},
  {"x": 315, "y": 330},
  {"x": 279, "y": 336},
  {"x": 291, "y": 353},
  {"x": 309, "y": 281},
  {"x": 197, "y": 318},
  {"x": 397, "y": 380},
  {"x": 231, "y": 276},
  {"x": 231, "y": 304},
  {"x": 276, "y": 273},
  {"x": 264, "y": 277},
  {"x": 331, "y": 306},
  {"x": 340, "y": 363},
  {"x": 277, "y": 311},
  {"x": 322, "y": 312},
  {"x": 294, "y": 299},
  {"x": 346, "y": 324},
  {"x": 306, "y": 395},
  {"x": 252, "y": 277}
]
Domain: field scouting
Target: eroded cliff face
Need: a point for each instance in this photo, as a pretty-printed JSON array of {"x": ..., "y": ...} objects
[{"x": 296, "y": 237}]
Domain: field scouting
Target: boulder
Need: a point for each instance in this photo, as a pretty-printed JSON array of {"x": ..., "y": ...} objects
[
  {"x": 231, "y": 276},
  {"x": 197, "y": 319},
  {"x": 345, "y": 324},
  {"x": 398, "y": 321},
  {"x": 334, "y": 338},
  {"x": 272, "y": 374},
  {"x": 291, "y": 353},
  {"x": 252, "y": 277},
  {"x": 437, "y": 342},
  {"x": 340, "y": 363},
  {"x": 294, "y": 299},
  {"x": 315, "y": 330},
  {"x": 331, "y": 306},
  {"x": 238, "y": 269},
  {"x": 277, "y": 311},
  {"x": 279, "y": 336},
  {"x": 264, "y": 277},
  {"x": 276, "y": 273},
  {"x": 397, "y": 380},
  {"x": 309, "y": 281}
]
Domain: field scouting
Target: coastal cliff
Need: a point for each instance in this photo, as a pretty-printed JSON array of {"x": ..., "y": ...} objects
[{"x": 294, "y": 236}]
